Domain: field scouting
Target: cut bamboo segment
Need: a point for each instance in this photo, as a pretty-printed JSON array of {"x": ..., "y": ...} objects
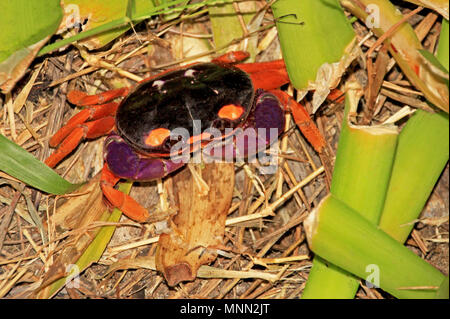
[
  {"x": 360, "y": 179},
  {"x": 344, "y": 237},
  {"x": 363, "y": 167},
  {"x": 422, "y": 154}
]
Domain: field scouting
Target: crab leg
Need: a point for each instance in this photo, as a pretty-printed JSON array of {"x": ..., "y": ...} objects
[
  {"x": 266, "y": 75},
  {"x": 88, "y": 114},
  {"x": 91, "y": 122},
  {"x": 92, "y": 129},
  {"x": 231, "y": 57},
  {"x": 124, "y": 202},
  {"x": 82, "y": 99},
  {"x": 302, "y": 119}
]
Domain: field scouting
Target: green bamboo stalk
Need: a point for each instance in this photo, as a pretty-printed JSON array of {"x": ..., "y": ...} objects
[
  {"x": 363, "y": 167},
  {"x": 360, "y": 179},
  {"x": 422, "y": 154},
  {"x": 350, "y": 241},
  {"x": 328, "y": 281}
]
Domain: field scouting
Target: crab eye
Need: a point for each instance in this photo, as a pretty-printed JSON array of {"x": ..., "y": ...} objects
[
  {"x": 157, "y": 136},
  {"x": 231, "y": 112}
]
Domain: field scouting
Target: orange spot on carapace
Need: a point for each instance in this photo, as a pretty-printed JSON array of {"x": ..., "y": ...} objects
[
  {"x": 231, "y": 112},
  {"x": 157, "y": 136}
]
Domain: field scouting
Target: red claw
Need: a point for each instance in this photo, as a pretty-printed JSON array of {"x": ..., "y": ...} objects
[{"x": 124, "y": 202}]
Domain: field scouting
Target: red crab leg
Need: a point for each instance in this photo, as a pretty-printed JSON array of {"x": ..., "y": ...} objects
[
  {"x": 266, "y": 75},
  {"x": 231, "y": 57},
  {"x": 82, "y": 99},
  {"x": 85, "y": 130},
  {"x": 302, "y": 119},
  {"x": 120, "y": 200},
  {"x": 88, "y": 114}
]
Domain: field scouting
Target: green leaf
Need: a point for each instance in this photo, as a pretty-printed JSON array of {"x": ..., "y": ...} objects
[
  {"x": 124, "y": 21},
  {"x": 20, "y": 164},
  {"x": 317, "y": 42},
  {"x": 24, "y": 28}
]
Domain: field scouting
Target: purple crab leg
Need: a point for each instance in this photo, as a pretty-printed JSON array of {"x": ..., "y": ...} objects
[
  {"x": 124, "y": 162},
  {"x": 263, "y": 126}
]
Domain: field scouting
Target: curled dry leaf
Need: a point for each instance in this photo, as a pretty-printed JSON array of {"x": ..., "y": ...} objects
[
  {"x": 15, "y": 66},
  {"x": 329, "y": 75},
  {"x": 198, "y": 228}
]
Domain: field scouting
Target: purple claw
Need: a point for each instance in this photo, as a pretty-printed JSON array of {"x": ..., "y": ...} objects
[
  {"x": 263, "y": 126},
  {"x": 124, "y": 162}
]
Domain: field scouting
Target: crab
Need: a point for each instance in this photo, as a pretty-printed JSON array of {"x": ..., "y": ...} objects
[{"x": 225, "y": 96}]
